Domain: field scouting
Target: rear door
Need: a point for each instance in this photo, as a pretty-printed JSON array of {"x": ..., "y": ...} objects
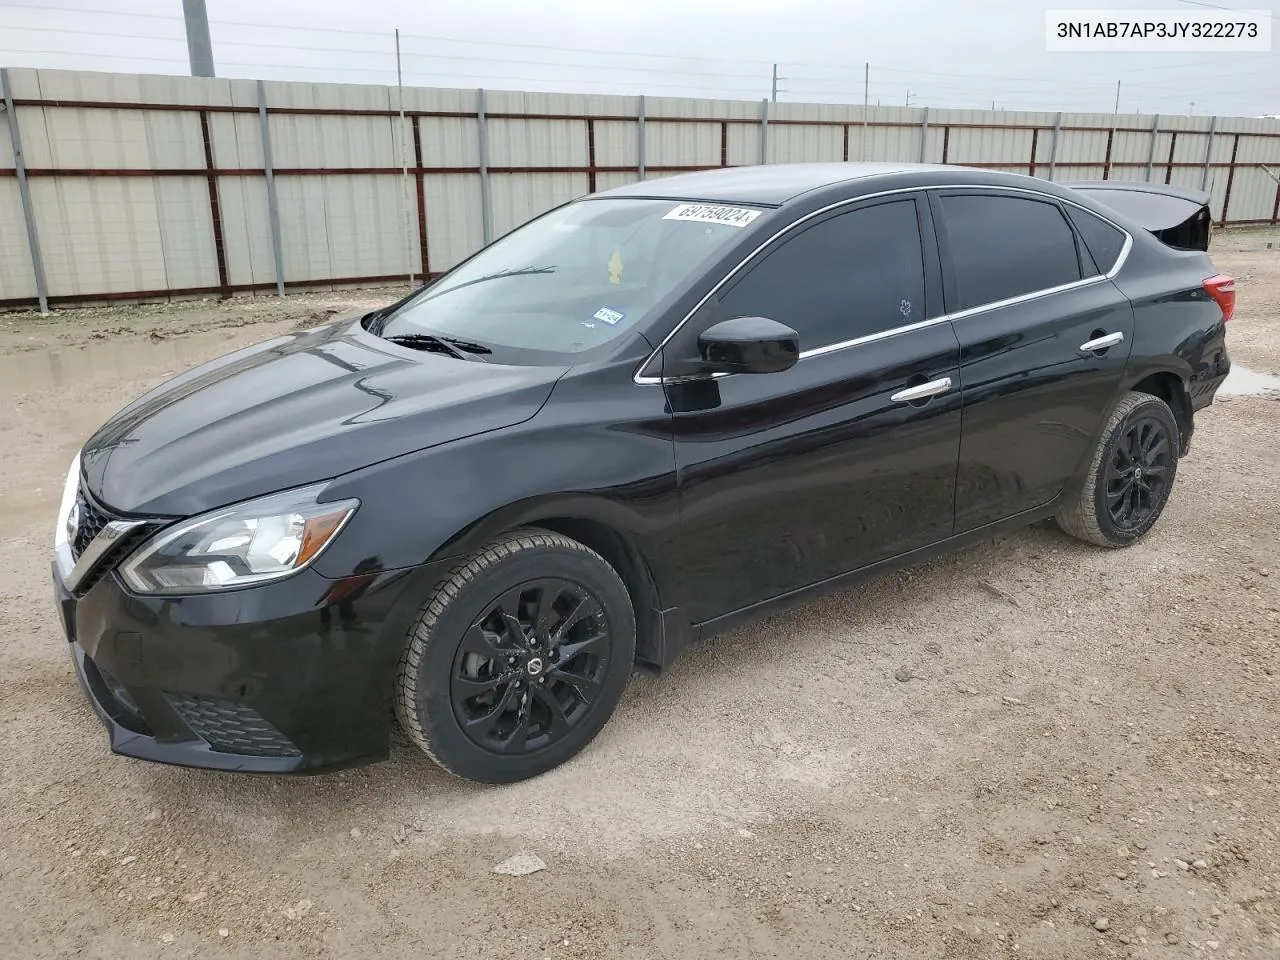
[
  {"x": 849, "y": 457},
  {"x": 1044, "y": 338}
]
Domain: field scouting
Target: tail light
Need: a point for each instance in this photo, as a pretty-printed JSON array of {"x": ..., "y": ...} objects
[{"x": 1223, "y": 290}]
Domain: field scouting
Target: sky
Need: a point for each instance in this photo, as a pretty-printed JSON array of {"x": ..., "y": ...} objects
[{"x": 941, "y": 53}]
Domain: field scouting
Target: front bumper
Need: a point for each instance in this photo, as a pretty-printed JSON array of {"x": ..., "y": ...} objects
[{"x": 290, "y": 677}]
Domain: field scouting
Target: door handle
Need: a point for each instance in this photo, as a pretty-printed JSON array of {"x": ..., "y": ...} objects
[
  {"x": 922, "y": 392},
  {"x": 1102, "y": 343}
]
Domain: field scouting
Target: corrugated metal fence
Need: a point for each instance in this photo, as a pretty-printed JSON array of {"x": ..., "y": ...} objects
[{"x": 116, "y": 187}]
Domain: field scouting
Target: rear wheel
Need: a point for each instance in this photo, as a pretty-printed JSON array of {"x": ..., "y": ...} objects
[
  {"x": 1130, "y": 477},
  {"x": 518, "y": 659}
]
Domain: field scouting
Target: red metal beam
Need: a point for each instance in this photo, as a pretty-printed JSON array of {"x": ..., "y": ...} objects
[
  {"x": 358, "y": 112},
  {"x": 71, "y": 299},
  {"x": 1231, "y": 175},
  {"x": 724, "y": 144},
  {"x": 215, "y": 212},
  {"x": 946, "y": 141},
  {"x": 1106, "y": 161},
  {"x": 845, "y": 148},
  {"x": 1275, "y": 209},
  {"x": 1031, "y": 166},
  {"x": 1168, "y": 167},
  {"x": 591, "y": 156},
  {"x": 588, "y": 170}
]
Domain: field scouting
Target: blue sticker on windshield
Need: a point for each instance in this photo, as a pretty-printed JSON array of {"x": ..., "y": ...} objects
[{"x": 609, "y": 315}]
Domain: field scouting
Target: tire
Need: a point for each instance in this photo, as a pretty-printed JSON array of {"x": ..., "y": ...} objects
[
  {"x": 1091, "y": 512},
  {"x": 466, "y": 681}
]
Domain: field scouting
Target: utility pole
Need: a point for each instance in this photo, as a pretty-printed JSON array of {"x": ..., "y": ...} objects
[
  {"x": 866, "y": 104},
  {"x": 907, "y": 101},
  {"x": 404, "y": 165},
  {"x": 199, "y": 46},
  {"x": 1117, "y": 109},
  {"x": 1192, "y": 108},
  {"x": 773, "y": 94}
]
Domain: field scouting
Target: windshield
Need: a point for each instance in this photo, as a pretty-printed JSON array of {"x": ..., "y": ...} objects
[{"x": 574, "y": 279}]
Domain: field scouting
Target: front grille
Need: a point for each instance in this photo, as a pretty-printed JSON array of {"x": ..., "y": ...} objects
[
  {"x": 92, "y": 519},
  {"x": 117, "y": 554},
  {"x": 230, "y": 726}
]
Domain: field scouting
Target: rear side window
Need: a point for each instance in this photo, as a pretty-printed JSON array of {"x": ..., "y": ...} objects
[
  {"x": 1004, "y": 247},
  {"x": 850, "y": 276},
  {"x": 1101, "y": 239}
]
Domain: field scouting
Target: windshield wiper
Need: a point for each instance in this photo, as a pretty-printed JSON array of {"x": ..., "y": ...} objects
[
  {"x": 519, "y": 272},
  {"x": 467, "y": 345},
  {"x": 427, "y": 341}
]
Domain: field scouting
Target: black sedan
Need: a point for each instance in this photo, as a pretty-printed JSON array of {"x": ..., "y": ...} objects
[{"x": 636, "y": 420}]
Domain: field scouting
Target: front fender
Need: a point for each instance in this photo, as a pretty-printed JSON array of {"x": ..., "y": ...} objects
[{"x": 600, "y": 449}]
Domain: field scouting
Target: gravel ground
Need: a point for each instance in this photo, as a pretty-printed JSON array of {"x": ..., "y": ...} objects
[{"x": 1032, "y": 748}]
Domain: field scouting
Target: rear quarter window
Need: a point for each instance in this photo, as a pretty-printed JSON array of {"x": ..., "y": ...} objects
[
  {"x": 1003, "y": 247},
  {"x": 1103, "y": 241}
]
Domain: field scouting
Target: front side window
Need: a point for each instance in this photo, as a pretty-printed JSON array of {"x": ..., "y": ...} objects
[
  {"x": 850, "y": 276},
  {"x": 574, "y": 279},
  {"x": 1004, "y": 247}
]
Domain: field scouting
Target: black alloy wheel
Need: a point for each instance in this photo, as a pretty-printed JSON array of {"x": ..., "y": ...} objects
[
  {"x": 1138, "y": 473},
  {"x": 530, "y": 667},
  {"x": 518, "y": 658},
  {"x": 1127, "y": 482}
]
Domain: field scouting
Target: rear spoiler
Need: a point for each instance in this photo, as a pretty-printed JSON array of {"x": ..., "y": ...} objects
[{"x": 1178, "y": 217}]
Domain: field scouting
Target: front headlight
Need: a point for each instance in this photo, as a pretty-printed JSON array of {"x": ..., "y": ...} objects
[
  {"x": 64, "y": 534},
  {"x": 64, "y": 531},
  {"x": 249, "y": 543}
]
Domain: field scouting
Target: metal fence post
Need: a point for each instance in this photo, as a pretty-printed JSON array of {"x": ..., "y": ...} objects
[
  {"x": 273, "y": 205},
  {"x": 486, "y": 203},
  {"x": 1208, "y": 151},
  {"x": 24, "y": 193},
  {"x": 1151, "y": 156},
  {"x": 924, "y": 133},
  {"x": 1053, "y": 145},
  {"x": 764, "y": 130},
  {"x": 640, "y": 135}
]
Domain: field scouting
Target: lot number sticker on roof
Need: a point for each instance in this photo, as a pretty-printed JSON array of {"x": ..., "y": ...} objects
[{"x": 713, "y": 213}]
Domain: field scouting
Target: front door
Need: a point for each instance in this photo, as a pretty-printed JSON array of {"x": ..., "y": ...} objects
[
  {"x": 1026, "y": 297},
  {"x": 849, "y": 457}
]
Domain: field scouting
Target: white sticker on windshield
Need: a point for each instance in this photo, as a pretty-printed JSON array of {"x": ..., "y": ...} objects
[
  {"x": 608, "y": 315},
  {"x": 713, "y": 213}
]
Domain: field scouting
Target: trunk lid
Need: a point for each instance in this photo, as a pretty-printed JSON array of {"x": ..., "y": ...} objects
[{"x": 1176, "y": 216}]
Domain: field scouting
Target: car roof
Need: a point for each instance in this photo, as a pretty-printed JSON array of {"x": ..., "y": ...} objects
[{"x": 767, "y": 184}]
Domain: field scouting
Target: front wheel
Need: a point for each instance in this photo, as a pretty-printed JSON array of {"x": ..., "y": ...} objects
[
  {"x": 518, "y": 659},
  {"x": 1130, "y": 477}
]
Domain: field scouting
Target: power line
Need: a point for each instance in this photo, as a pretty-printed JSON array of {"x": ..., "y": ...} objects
[
  {"x": 98, "y": 33},
  {"x": 1218, "y": 6},
  {"x": 106, "y": 56},
  {"x": 481, "y": 59},
  {"x": 573, "y": 50},
  {"x": 388, "y": 33}
]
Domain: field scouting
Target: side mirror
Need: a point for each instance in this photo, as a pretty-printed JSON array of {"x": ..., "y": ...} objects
[{"x": 749, "y": 345}]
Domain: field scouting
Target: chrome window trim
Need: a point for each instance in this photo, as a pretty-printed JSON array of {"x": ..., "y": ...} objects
[{"x": 894, "y": 331}]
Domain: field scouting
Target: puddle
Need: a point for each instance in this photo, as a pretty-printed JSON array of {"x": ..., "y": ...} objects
[
  {"x": 36, "y": 370},
  {"x": 1243, "y": 382},
  {"x": 61, "y": 396}
]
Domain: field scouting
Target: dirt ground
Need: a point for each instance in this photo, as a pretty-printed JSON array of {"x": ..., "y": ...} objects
[{"x": 1084, "y": 759}]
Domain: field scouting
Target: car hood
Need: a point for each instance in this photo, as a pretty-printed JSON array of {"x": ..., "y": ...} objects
[{"x": 296, "y": 410}]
